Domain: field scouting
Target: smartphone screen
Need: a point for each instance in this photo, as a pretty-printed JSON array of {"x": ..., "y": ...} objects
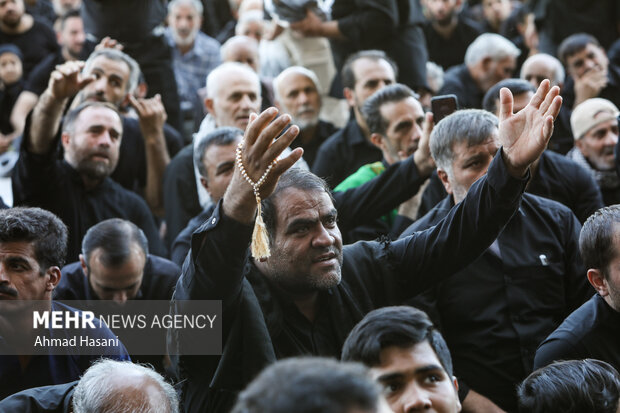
[{"x": 442, "y": 106}]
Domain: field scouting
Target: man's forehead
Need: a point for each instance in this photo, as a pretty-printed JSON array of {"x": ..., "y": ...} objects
[
  {"x": 183, "y": 9},
  {"x": 463, "y": 149},
  {"x": 366, "y": 66},
  {"x": 292, "y": 203},
  {"x": 604, "y": 125},
  {"x": 406, "y": 360},
  {"x": 393, "y": 110},
  {"x": 24, "y": 249},
  {"x": 111, "y": 118},
  {"x": 108, "y": 66},
  {"x": 295, "y": 81}
]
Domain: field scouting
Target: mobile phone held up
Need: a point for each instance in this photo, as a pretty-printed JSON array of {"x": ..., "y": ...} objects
[{"x": 443, "y": 105}]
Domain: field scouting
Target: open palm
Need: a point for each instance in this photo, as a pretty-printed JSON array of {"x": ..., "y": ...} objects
[{"x": 524, "y": 135}]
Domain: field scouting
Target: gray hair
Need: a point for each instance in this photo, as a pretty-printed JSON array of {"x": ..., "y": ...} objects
[
  {"x": 490, "y": 45},
  {"x": 434, "y": 76},
  {"x": 474, "y": 126},
  {"x": 558, "y": 69},
  {"x": 193, "y": 3},
  {"x": 96, "y": 391},
  {"x": 214, "y": 77},
  {"x": 299, "y": 70},
  {"x": 235, "y": 40},
  {"x": 220, "y": 137},
  {"x": 117, "y": 55}
]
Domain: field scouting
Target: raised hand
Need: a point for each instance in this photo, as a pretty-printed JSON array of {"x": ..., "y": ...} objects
[
  {"x": 524, "y": 135},
  {"x": 422, "y": 156},
  {"x": 258, "y": 152},
  {"x": 67, "y": 80},
  {"x": 151, "y": 113},
  {"x": 109, "y": 43}
]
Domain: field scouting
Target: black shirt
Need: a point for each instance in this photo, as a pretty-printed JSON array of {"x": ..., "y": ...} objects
[
  {"x": 451, "y": 52},
  {"x": 344, "y": 153},
  {"x": 323, "y": 131},
  {"x": 46, "y": 182},
  {"x": 128, "y": 21},
  {"x": 495, "y": 312},
  {"x": 35, "y": 44},
  {"x": 262, "y": 326},
  {"x": 458, "y": 81},
  {"x": 591, "y": 331},
  {"x": 158, "y": 281},
  {"x": 556, "y": 177},
  {"x": 40, "y": 75}
]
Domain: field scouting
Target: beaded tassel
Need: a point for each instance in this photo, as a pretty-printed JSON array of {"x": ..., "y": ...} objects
[{"x": 260, "y": 239}]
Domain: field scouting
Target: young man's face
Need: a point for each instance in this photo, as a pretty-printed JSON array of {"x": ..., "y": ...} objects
[
  {"x": 72, "y": 36},
  {"x": 415, "y": 380}
]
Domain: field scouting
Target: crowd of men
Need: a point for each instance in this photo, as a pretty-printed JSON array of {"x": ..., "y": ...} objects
[{"x": 373, "y": 249}]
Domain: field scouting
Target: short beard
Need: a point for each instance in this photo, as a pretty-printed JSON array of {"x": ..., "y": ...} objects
[
  {"x": 97, "y": 171},
  {"x": 304, "y": 124},
  {"x": 12, "y": 23}
]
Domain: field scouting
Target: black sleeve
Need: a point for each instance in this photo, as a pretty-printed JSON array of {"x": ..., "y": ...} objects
[
  {"x": 40, "y": 75},
  {"x": 399, "y": 182},
  {"x": 589, "y": 198},
  {"x": 555, "y": 348}
]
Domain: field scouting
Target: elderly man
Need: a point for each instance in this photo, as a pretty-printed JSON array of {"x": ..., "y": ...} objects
[
  {"x": 408, "y": 357},
  {"x": 489, "y": 59},
  {"x": 302, "y": 293},
  {"x": 593, "y": 331},
  {"x": 233, "y": 92},
  {"x": 513, "y": 295},
  {"x": 108, "y": 386},
  {"x": 33, "y": 243},
  {"x": 595, "y": 128},
  {"x": 79, "y": 188},
  {"x": 348, "y": 149},
  {"x": 297, "y": 93},
  {"x": 194, "y": 54}
]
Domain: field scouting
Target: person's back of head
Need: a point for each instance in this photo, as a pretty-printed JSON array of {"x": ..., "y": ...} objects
[
  {"x": 110, "y": 386},
  {"x": 517, "y": 87},
  {"x": 310, "y": 385},
  {"x": 576, "y": 386}
]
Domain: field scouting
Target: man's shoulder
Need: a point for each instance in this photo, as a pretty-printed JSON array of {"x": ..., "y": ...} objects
[
  {"x": 546, "y": 206},
  {"x": 206, "y": 43},
  {"x": 432, "y": 217}
]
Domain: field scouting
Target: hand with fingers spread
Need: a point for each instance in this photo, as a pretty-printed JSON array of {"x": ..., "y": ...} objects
[
  {"x": 524, "y": 135},
  {"x": 258, "y": 152},
  {"x": 67, "y": 80},
  {"x": 109, "y": 43},
  {"x": 151, "y": 113},
  {"x": 422, "y": 156}
]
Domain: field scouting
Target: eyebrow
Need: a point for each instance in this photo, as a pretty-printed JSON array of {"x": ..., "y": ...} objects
[
  {"x": 310, "y": 221},
  {"x": 223, "y": 165},
  {"x": 109, "y": 289},
  {"x": 421, "y": 370},
  {"x": 18, "y": 260}
]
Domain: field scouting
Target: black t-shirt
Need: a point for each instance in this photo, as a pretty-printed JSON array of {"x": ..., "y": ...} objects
[
  {"x": 451, "y": 52},
  {"x": 591, "y": 331},
  {"x": 35, "y": 44},
  {"x": 40, "y": 75},
  {"x": 123, "y": 20}
]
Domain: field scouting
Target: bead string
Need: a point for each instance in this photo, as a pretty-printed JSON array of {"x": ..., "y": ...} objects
[{"x": 255, "y": 186}]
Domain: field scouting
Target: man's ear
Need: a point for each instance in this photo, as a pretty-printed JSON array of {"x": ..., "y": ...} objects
[
  {"x": 205, "y": 184},
  {"x": 349, "y": 95},
  {"x": 54, "y": 275},
  {"x": 209, "y": 106},
  {"x": 597, "y": 280},
  {"x": 83, "y": 265},
  {"x": 486, "y": 63},
  {"x": 455, "y": 382},
  {"x": 65, "y": 139},
  {"x": 377, "y": 140},
  {"x": 443, "y": 176},
  {"x": 579, "y": 144}
]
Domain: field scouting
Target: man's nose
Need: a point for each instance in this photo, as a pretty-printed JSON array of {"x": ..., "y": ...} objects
[
  {"x": 416, "y": 399},
  {"x": 120, "y": 297},
  {"x": 323, "y": 238}
]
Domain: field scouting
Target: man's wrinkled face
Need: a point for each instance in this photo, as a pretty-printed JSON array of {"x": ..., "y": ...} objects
[
  {"x": 441, "y": 11},
  {"x": 21, "y": 277},
  {"x": 499, "y": 70},
  {"x": 111, "y": 82},
  {"x": 414, "y": 380},
  {"x": 11, "y": 12},
  {"x": 72, "y": 36},
  {"x": 592, "y": 57},
  {"x": 184, "y": 22},
  {"x": 306, "y": 247},
  {"x": 120, "y": 283},
  {"x": 93, "y": 146},
  {"x": 237, "y": 96},
  {"x": 598, "y": 144},
  {"x": 370, "y": 76},
  {"x": 300, "y": 98},
  {"x": 469, "y": 164},
  {"x": 10, "y": 68},
  {"x": 219, "y": 161},
  {"x": 405, "y": 119}
]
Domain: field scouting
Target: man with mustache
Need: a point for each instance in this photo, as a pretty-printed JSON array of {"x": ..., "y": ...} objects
[
  {"x": 297, "y": 93},
  {"x": 395, "y": 119},
  {"x": 78, "y": 188},
  {"x": 306, "y": 293},
  {"x": 595, "y": 129}
]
